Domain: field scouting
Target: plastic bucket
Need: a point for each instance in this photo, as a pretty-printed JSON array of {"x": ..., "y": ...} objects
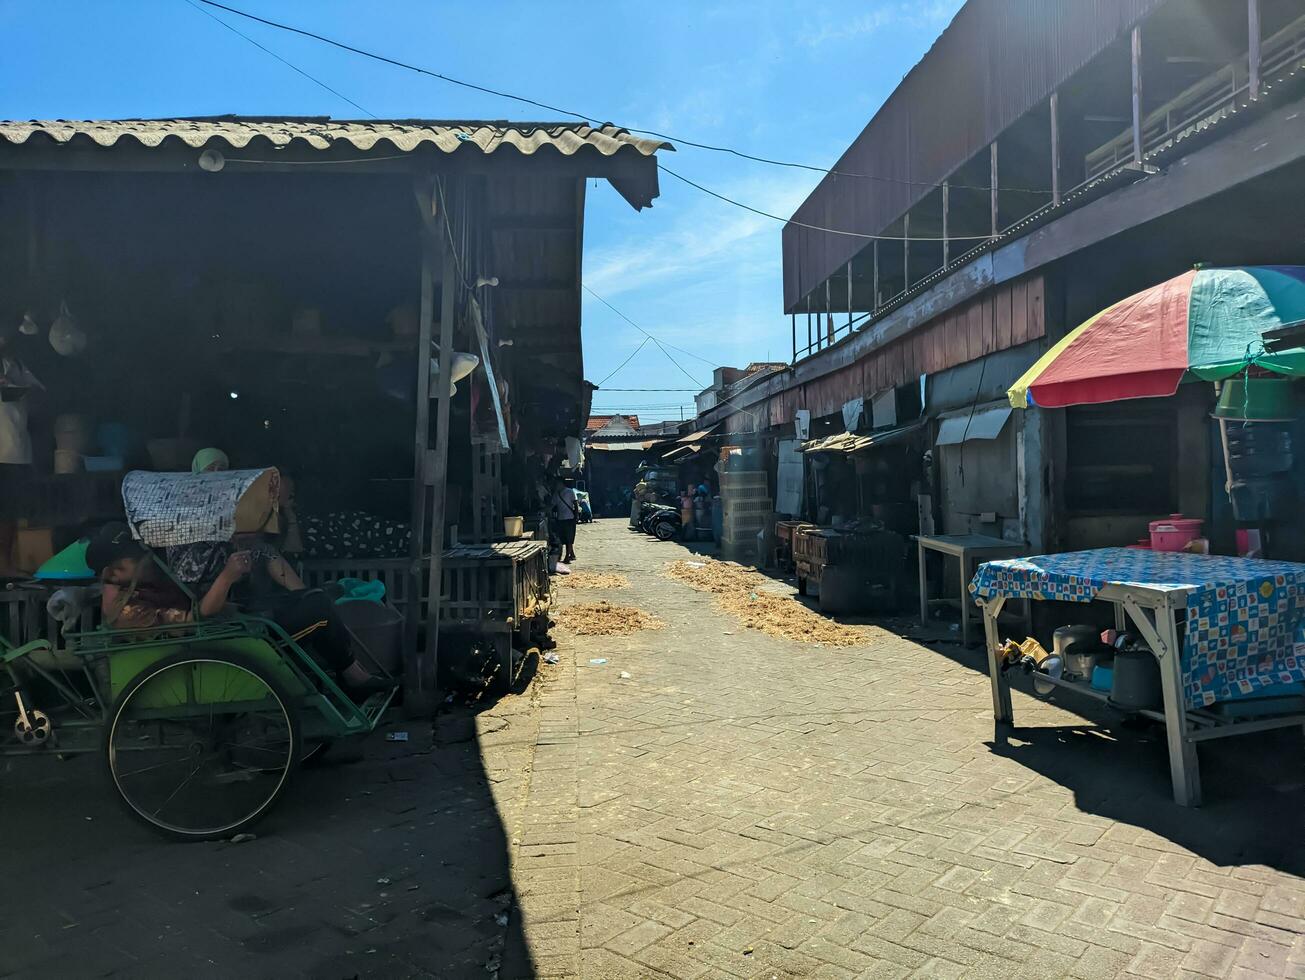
[
  {"x": 72, "y": 433},
  {"x": 377, "y": 628},
  {"x": 514, "y": 527}
]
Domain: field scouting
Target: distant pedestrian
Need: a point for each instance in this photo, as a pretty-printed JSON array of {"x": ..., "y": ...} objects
[{"x": 564, "y": 513}]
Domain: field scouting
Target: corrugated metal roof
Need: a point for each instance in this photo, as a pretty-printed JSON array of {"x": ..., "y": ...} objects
[
  {"x": 847, "y": 442},
  {"x": 323, "y": 133},
  {"x": 701, "y": 434}
]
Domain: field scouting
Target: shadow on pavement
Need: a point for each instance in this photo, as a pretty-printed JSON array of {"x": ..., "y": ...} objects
[
  {"x": 388, "y": 859},
  {"x": 1254, "y": 785}
]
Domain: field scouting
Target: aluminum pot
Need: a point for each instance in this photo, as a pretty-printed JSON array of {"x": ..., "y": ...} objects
[
  {"x": 1080, "y": 664},
  {"x": 1076, "y": 646}
]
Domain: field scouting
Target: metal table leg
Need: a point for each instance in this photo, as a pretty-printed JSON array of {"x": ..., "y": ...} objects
[
  {"x": 1001, "y": 709},
  {"x": 964, "y": 559},
  {"x": 924, "y": 587},
  {"x": 1161, "y": 633}
]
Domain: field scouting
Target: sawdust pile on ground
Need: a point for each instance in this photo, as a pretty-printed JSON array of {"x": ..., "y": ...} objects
[
  {"x": 605, "y": 619},
  {"x": 592, "y": 580},
  {"x": 739, "y": 592}
]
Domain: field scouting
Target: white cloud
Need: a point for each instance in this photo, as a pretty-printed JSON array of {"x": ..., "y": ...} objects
[
  {"x": 706, "y": 238},
  {"x": 905, "y": 14}
]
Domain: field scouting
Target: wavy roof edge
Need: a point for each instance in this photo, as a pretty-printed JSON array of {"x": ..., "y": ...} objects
[{"x": 323, "y": 133}]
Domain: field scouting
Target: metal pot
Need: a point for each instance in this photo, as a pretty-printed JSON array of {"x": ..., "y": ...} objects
[
  {"x": 1136, "y": 683},
  {"x": 1080, "y": 664},
  {"x": 1076, "y": 646}
]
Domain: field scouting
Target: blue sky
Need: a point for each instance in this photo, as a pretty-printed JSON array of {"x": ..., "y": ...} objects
[{"x": 780, "y": 78}]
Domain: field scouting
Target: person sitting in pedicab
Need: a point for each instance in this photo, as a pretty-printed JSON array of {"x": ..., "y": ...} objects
[{"x": 138, "y": 594}]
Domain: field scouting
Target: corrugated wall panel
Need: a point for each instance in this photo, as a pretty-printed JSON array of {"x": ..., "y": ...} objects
[{"x": 995, "y": 61}]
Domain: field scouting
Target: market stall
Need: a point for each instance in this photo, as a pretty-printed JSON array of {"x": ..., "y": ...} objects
[{"x": 1223, "y": 631}]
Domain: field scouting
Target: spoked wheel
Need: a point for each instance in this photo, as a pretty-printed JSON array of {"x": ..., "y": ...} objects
[{"x": 200, "y": 748}]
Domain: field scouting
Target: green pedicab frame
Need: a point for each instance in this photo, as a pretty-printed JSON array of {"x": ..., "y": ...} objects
[{"x": 153, "y": 690}]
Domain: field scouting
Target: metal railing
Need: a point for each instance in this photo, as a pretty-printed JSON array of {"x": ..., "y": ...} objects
[{"x": 1197, "y": 107}]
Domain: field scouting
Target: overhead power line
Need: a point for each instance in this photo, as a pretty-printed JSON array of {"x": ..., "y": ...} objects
[
  {"x": 660, "y": 343},
  {"x": 587, "y": 117},
  {"x": 623, "y": 364},
  {"x": 803, "y": 224},
  {"x": 295, "y": 68},
  {"x": 706, "y": 190}
]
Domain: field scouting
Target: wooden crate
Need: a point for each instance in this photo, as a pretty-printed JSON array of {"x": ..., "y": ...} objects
[{"x": 497, "y": 585}]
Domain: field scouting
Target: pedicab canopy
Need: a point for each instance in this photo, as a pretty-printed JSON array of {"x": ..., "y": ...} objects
[
  {"x": 169, "y": 509},
  {"x": 1207, "y": 322}
]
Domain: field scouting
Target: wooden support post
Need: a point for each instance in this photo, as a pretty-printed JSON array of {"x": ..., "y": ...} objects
[
  {"x": 440, "y": 467},
  {"x": 1136, "y": 48},
  {"x": 418, "y": 666},
  {"x": 947, "y": 245},
  {"x": 906, "y": 251},
  {"x": 992, "y": 184},
  {"x": 1253, "y": 48},
  {"x": 1055, "y": 147},
  {"x": 849, "y": 297},
  {"x": 874, "y": 305}
]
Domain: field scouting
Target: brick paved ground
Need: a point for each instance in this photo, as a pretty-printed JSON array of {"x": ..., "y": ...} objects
[
  {"x": 746, "y": 806},
  {"x": 392, "y": 865},
  {"x": 740, "y": 806}
]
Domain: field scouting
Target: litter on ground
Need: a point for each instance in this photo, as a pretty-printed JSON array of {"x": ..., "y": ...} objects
[
  {"x": 594, "y": 580},
  {"x": 739, "y": 591},
  {"x": 605, "y": 619}
]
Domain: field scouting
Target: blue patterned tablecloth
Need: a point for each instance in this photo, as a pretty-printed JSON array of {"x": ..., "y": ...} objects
[{"x": 1245, "y": 617}]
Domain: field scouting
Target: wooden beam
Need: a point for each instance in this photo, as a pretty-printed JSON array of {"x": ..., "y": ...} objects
[
  {"x": 992, "y": 185},
  {"x": 418, "y": 667},
  {"x": 1055, "y": 147},
  {"x": 1253, "y": 50},
  {"x": 1135, "y": 47}
]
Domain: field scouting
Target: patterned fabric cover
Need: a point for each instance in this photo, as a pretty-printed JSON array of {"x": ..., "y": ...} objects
[
  {"x": 168, "y": 509},
  {"x": 1245, "y": 626}
]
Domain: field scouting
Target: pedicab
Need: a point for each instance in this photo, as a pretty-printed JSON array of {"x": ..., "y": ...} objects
[{"x": 200, "y": 724}]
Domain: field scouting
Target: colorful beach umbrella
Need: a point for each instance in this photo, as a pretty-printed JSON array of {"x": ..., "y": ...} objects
[{"x": 1209, "y": 322}]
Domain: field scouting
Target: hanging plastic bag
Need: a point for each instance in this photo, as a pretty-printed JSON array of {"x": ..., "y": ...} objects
[{"x": 66, "y": 337}]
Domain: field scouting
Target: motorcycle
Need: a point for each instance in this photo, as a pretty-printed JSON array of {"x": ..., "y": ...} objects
[{"x": 661, "y": 521}]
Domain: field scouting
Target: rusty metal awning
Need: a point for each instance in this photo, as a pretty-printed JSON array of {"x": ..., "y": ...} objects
[
  {"x": 698, "y": 436},
  {"x": 847, "y": 442}
]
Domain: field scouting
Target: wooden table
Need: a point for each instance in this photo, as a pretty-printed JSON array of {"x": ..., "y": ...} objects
[{"x": 969, "y": 549}]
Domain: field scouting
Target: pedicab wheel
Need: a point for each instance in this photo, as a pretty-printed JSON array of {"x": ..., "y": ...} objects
[{"x": 201, "y": 748}]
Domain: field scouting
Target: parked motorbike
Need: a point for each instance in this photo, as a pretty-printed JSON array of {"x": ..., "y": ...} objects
[{"x": 661, "y": 521}]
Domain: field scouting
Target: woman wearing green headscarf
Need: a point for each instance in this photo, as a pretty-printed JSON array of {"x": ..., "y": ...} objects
[{"x": 210, "y": 461}]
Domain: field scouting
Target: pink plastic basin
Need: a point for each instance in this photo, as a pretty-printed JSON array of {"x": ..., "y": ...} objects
[{"x": 1174, "y": 532}]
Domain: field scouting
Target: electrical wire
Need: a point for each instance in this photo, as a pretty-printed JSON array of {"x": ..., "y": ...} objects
[
  {"x": 266, "y": 50},
  {"x": 694, "y": 184},
  {"x": 588, "y": 118},
  {"x": 830, "y": 231},
  {"x": 587, "y": 289},
  {"x": 623, "y": 364}
]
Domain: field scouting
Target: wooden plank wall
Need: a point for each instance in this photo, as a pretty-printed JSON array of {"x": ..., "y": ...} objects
[{"x": 1004, "y": 317}]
